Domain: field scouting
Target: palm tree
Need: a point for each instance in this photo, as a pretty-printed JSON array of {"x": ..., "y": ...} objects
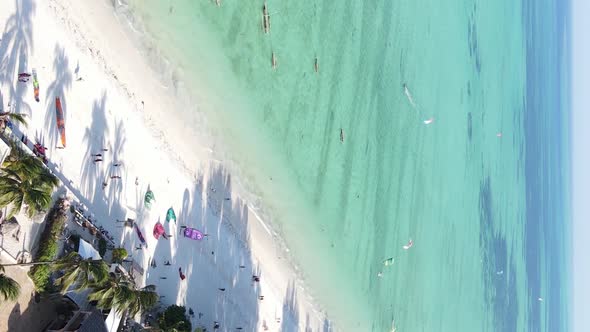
[
  {"x": 26, "y": 181},
  {"x": 79, "y": 272},
  {"x": 120, "y": 294},
  {"x": 9, "y": 288},
  {"x": 6, "y": 117}
]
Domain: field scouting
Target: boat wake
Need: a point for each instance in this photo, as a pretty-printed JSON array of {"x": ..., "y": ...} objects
[{"x": 409, "y": 96}]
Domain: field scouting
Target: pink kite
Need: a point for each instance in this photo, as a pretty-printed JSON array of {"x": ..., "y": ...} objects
[{"x": 159, "y": 230}]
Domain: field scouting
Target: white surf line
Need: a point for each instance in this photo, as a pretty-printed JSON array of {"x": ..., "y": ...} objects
[{"x": 260, "y": 220}]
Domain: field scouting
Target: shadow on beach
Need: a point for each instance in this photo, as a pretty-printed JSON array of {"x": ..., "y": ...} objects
[
  {"x": 35, "y": 317},
  {"x": 15, "y": 46},
  {"x": 58, "y": 88},
  {"x": 218, "y": 270}
]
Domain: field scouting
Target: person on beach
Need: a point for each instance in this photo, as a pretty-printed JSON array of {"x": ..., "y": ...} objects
[
  {"x": 261, "y": 297},
  {"x": 215, "y": 325},
  {"x": 180, "y": 274},
  {"x": 97, "y": 155},
  {"x": 117, "y": 164},
  {"x": 104, "y": 185},
  {"x": 167, "y": 263},
  {"x": 97, "y": 160},
  {"x": 191, "y": 312},
  {"x": 221, "y": 289},
  {"x": 115, "y": 177},
  {"x": 255, "y": 278}
]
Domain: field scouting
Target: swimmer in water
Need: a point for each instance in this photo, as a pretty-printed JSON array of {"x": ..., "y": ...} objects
[{"x": 341, "y": 135}]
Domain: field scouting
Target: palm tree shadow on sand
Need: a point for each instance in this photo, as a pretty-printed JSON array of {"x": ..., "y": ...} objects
[
  {"x": 92, "y": 175},
  {"x": 15, "y": 45},
  {"x": 58, "y": 88}
]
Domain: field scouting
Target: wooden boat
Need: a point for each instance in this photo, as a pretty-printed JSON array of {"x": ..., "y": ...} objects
[
  {"x": 61, "y": 125},
  {"x": 265, "y": 19}
]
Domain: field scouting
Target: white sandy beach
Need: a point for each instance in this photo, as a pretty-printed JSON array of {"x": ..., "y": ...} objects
[{"x": 113, "y": 100}]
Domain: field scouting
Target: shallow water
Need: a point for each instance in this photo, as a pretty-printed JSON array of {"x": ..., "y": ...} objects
[{"x": 481, "y": 209}]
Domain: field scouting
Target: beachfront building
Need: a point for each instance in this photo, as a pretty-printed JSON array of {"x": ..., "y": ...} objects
[
  {"x": 81, "y": 321},
  {"x": 84, "y": 316},
  {"x": 19, "y": 235},
  {"x": 4, "y": 151}
]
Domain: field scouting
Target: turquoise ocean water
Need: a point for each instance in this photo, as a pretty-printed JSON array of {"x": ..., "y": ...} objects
[{"x": 489, "y": 215}]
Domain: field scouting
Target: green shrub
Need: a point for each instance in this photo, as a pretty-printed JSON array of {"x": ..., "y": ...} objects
[
  {"x": 48, "y": 247},
  {"x": 102, "y": 246},
  {"x": 119, "y": 254},
  {"x": 174, "y": 319}
]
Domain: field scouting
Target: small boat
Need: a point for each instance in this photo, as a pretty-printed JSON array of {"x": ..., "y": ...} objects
[
  {"x": 316, "y": 65},
  {"x": 388, "y": 261},
  {"x": 429, "y": 121},
  {"x": 218, "y": 3},
  {"x": 265, "y": 19},
  {"x": 273, "y": 60},
  {"x": 61, "y": 125},
  {"x": 409, "y": 96}
]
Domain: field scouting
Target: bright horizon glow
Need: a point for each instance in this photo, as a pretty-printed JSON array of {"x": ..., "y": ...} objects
[{"x": 580, "y": 138}]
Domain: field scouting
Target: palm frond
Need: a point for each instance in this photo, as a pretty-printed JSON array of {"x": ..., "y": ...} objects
[
  {"x": 80, "y": 273},
  {"x": 19, "y": 118},
  {"x": 9, "y": 288}
]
